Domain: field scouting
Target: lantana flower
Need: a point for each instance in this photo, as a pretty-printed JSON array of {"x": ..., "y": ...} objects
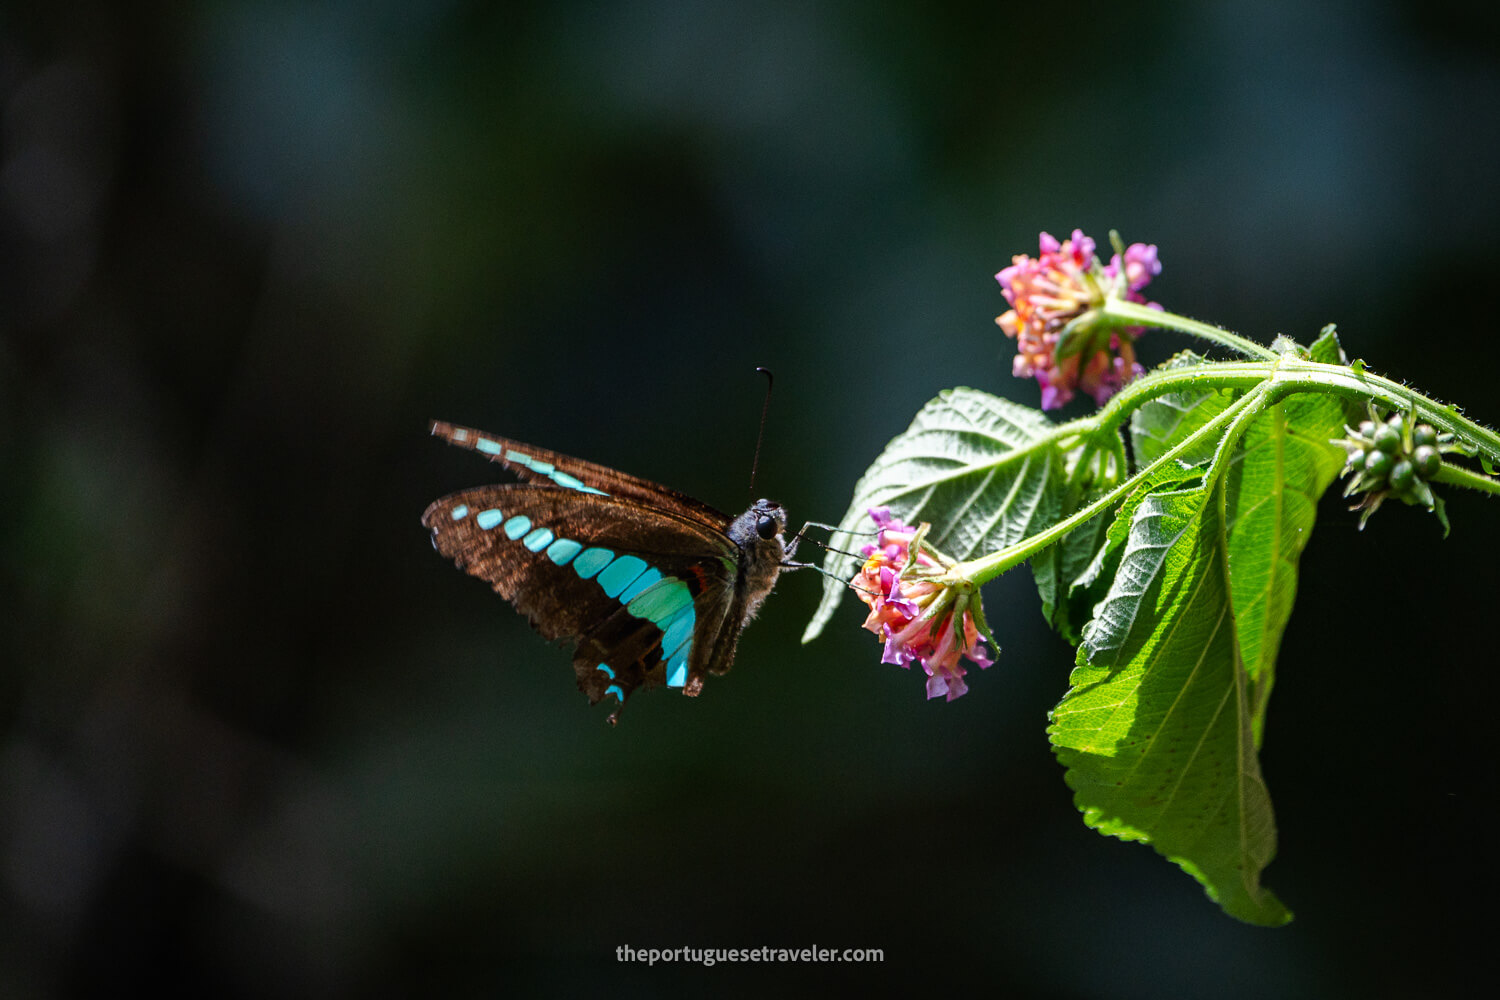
[
  {"x": 918, "y": 617},
  {"x": 1056, "y": 301}
]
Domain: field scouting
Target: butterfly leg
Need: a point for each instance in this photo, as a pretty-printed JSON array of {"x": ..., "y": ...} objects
[{"x": 791, "y": 547}]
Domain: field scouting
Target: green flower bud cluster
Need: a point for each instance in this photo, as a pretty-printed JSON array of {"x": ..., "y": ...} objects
[{"x": 1394, "y": 457}]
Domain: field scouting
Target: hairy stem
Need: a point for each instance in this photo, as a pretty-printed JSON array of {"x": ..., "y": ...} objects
[
  {"x": 1137, "y": 314},
  {"x": 1453, "y": 475},
  {"x": 1263, "y": 384}
]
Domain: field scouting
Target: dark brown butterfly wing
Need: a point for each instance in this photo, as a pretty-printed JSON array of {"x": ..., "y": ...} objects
[
  {"x": 645, "y": 593},
  {"x": 654, "y": 586},
  {"x": 544, "y": 467}
]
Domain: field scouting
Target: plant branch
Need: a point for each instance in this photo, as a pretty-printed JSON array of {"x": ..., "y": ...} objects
[
  {"x": 990, "y": 566},
  {"x": 1455, "y": 475}
]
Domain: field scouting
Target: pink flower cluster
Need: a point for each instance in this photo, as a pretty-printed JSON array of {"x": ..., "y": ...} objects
[
  {"x": 897, "y": 607},
  {"x": 1059, "y": 286}
]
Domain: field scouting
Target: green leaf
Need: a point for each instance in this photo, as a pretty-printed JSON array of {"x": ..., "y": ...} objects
[
  {"x": 1156, "y": 731},
  {"x": 959, "y": 466},
  {"x": 1280, "y": 468},
  {"x": 1072, "y": 575},
  {"x": 1162, "y": 422},
  {"x": 1327, "y": 347},
  {"x": 1059, "y": 568},
  {"x": 1284, "y": 463},
  {"x": 1160, "y": 729},
  {"x": 1156, "y": 427}
]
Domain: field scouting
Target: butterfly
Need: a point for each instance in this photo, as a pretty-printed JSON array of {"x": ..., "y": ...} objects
[{"x": 654, "y": 586}]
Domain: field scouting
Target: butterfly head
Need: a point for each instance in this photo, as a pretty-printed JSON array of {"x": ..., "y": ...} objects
[
  {"x": 761, "y": 525},
  {"x": 770, "y": 519},
  {"x": 758, "y": 534}
]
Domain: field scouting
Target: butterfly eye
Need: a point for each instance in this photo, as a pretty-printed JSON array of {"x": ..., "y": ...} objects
[{"x": 766, "y": 527}]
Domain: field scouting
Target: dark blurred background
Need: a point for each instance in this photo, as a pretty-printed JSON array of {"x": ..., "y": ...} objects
[{"x": 256, "y": 738}]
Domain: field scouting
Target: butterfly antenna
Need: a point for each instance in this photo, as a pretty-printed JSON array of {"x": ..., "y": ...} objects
[{"x": 760, "y": 434}]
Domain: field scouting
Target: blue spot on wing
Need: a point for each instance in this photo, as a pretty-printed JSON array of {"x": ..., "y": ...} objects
[
  {"x": 487, "y": 519},
  {"x": 620, "y": 574},
  {"x": 517, "y": 526},
  {"x": 646, "y": 579},
  {"x": 538, "y": 539},
  {"x": 560, "y": 478},
  {"x": 677, "y": 632},
  {"x": 661, "y": 601},
  {"x": 592, "y": 561},
  {"x": 460, "y": 512},
  {"x": 563, "y": 550}
]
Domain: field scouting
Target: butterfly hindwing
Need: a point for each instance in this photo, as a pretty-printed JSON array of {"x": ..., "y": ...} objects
[{"x": 644, "y": 592}]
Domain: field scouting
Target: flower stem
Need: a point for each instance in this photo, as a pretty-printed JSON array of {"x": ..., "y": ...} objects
[{"x": 1139, "y": 315}]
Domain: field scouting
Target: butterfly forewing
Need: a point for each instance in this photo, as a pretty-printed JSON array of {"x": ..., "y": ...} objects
[{"x": 544, "y": 467}]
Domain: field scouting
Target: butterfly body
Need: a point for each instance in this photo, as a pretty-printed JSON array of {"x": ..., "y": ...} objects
[{"x": 653, "y": 585}]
